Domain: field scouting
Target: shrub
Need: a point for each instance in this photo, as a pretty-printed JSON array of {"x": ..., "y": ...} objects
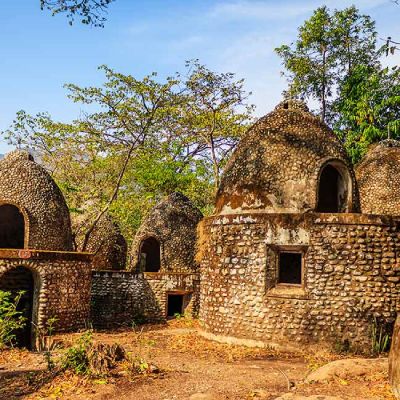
[
  {"x": 11, "y": 320},
  {"x": 76, "y": 357},
  {"x": 380, "y": 336}
]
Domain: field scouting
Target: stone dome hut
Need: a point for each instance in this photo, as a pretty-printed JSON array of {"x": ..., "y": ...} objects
[
  {"x": 35, "y": 244},
  {"x": 287, "y": 254},
  {"x": 166, "y": 240},
  {"x": 33, "y": 211},
  {"x": 279, "y": 163},
  {"x": 378, "y": 177},
  {"x": 108, "y": 245}
]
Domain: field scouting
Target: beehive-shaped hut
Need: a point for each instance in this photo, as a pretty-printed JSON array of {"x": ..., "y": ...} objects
[
  {"x": 287, "y": 254},
  {"x": 166, "y": 240},
  {"x": 279, "y": 163},
  {"x": 35, "y": 250},
  {"x": 108, "y": 245},
  {"x": 378, "y": 177},
  {"x": 33, "y": 212}
]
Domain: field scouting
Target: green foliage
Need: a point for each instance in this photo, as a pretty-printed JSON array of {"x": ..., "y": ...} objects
[
  {"x": 11, "y": 320},
  {"x": 336, "y": 61},
  {"x": 91, "y": 12},
  {"x": 45, "y": 342},
  {"x": 329, "y": 45},
  {"x": 137, "y": 365},
  {"x": 368, "y": 108},
  {"x": 76, "y": 357},
  {"x": 380, "y": 337},
  {"x": 147, "y": 138}
]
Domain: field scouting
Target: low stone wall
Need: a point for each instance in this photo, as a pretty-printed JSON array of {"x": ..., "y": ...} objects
[
  {"x": 351, "y": 274},
  {"x": 61, "y": 283},
  {"x": 119, "y": 298}
]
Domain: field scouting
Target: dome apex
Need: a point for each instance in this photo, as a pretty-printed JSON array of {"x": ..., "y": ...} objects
[
  {"x": 277, "y": 165},
  {"x": 292, "y": 105},
  {"x": 19, "y": 155}
]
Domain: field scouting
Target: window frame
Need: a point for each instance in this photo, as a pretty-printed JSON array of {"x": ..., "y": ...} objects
[{"x": 294, "y": 250}]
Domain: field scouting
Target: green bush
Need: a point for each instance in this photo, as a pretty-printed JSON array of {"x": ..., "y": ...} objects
[
  {"x": 76, "y": 357},
  {"x": 11, "y": 320},
  {"x": 380, "y": 336}
]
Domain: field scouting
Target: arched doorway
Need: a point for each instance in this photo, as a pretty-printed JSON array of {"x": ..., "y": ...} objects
[
  {"x": 16, "y": 280},
  {"x": 12, "y": 227},
  {"x": 333, "y": 189},
  {"x": 150, "y": 255}
]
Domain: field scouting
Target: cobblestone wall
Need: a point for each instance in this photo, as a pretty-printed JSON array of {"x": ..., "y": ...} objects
[
  {"x": 29, "y": 187},
  {"x": 121, "y": 297},
  {"x": 108, "y": 245},
  {"x": 276, "y": 165},
  {"x": 351, "y": 273},
  {"x": 378, "y": 178},
  {"x": 173, "y": 223},
  {"x": 61, "y": 285}
]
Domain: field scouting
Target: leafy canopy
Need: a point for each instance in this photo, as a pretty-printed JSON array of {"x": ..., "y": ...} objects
[
  {"x": 336, "y": 61},
  {"x": 137, "y": 141},
  {"x": 329, "y": 44},
  {"x": 91, "y": 12}
]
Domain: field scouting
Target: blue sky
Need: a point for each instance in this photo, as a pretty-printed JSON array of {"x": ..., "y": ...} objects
[{"x": 40, "y": 53}]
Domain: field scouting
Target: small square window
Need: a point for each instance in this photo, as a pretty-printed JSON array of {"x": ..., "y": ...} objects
[{"x": 290, "y": 268}]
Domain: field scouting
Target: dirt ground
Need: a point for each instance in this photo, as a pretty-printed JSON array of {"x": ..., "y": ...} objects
[{"x": 182, "y": 365}]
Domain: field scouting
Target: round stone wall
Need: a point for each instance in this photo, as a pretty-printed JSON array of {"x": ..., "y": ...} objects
[{"x": 351, "y": 274}]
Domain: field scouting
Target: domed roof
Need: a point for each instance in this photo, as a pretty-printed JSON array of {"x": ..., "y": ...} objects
[
  {"x": 173, "y": 223},
  {"x": 108, "y": 244},
  {"x": 28, "y": 186},
  {"x": 276, "y": 166},
  {"x": 378, "y": 178}
]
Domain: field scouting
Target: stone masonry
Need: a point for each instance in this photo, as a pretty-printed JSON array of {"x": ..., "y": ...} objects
[
  {"x": 290, "y": 254},
  {"x": 120, "y": 298}
]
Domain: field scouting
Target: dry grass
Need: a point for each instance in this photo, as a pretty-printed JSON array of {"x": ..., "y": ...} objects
[{"x": 179, "y": 342}]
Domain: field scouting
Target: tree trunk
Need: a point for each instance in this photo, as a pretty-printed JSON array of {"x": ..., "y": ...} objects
[
  {"x": 215, "y": 164},
  {"x": 112, "y": 198},
  {"x": 323, "y": 99},
  {"x": 394, "y": 360}
]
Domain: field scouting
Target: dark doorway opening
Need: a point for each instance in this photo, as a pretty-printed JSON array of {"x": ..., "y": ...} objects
[
  {"x": 331, "y": 191},
  {"x": 150, "y": 255},
  {"x": 290, "y": 268},
  {"x": 12, "y": 227},
  {"x": 14, "y": 281},
  {"x": 175, "y": 304}
]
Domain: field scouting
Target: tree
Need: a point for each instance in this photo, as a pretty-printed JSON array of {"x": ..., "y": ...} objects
[
  {"x": 216, "y": 114},
  {"x": 336, "y": 61},
  {"x": 145, "y": 140},
  {"x": 368, "y": 108},
  {"x": 91, "y": 12},
  {"x": 328, "y": 46}
]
